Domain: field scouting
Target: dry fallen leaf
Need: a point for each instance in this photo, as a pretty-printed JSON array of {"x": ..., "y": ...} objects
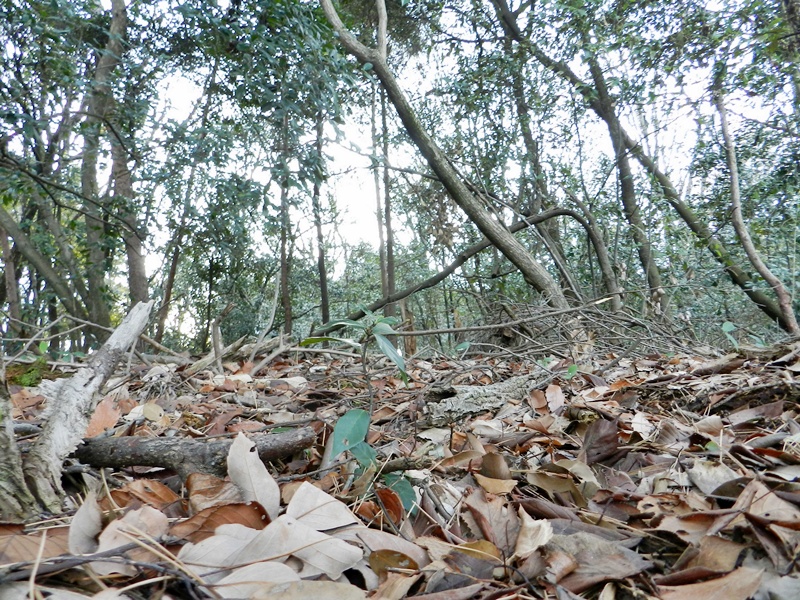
[{"x": 251, "y": 476}]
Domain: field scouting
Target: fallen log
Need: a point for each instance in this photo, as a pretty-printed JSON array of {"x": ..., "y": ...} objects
[{"x": 34, "y": 484}]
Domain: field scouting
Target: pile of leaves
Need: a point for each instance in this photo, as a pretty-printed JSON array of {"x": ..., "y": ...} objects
[{"x": 643, "y": 477}]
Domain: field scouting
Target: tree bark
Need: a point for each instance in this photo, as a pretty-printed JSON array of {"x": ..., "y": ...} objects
[
  {"x": 11, "y": 286},
  {"x": 540, "y": 200},
  {"x": 187, "y": 456},
  {"x": 132, "y": 235},
  {"x": 16, "y": 501},
  {"x": 390, "y": 309},
  {"x": 534, "y": 273},
  {"x": 286, "y": 225},
  {"x": 42, "y": 265},
  {"x": 316, "y": 208},
  {"x": 376, "y": 179}
]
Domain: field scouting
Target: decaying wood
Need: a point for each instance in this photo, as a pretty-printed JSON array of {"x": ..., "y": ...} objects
[
  {"x": 70, "y": 405},
  {"x": 450, "y": 405},
  {"x": 186, "y": 456}
]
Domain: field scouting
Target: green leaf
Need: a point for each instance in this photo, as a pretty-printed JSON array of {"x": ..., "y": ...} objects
[
  {"x": 349, "y": 323},
  {"x": 571, "y": 372},
  {"x": 727, "y": 327},
  {"x": 43, "y": 345},
  {"x": 350, "y": 430},
  {"x": 364, "y": 454},
  {"x": 403, "y": 487},
  {"x": 383, "y": 328},
  {"x": 462, "y": 347},
  {"x": 368, "y": 66},
  {"x": 391, "y": 352},
  {"x": 324, "y": 338}
]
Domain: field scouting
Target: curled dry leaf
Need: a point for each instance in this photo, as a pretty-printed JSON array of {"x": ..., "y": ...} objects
[{"x": 251, "y": 476}]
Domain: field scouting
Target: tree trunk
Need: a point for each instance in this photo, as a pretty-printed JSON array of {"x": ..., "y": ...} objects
[
  {"x": 131, "y": 232},
  {"x": 324, "y": 300},
  {"x": 390, "y": 309},
  {"x": 10, "y": 280},
  {"x": 376, "y": 178},
  {"x": 540, "y": 196},
  {"x": 627, "y": 189},
  {"x": 98, "y": 105},
  {"x": 784, "y": 298},
  {"x": 188, "y": 195},
  {"x": 41, "y": 265},
  {"x": 16, "y": 501},
  {"x": 592, "y": 232},
  {"x": 286, "y": 225},
  {"x": 286, "y": 297},
  {"x": 534, "y": 273},
  {"x": 598, "y": 243}
]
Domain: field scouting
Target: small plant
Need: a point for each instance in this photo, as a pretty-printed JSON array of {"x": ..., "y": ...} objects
[
  {"x": 727, "y": 329},
  {"x": 350, "y": 435},
  {"x": 373, "y": 328}
]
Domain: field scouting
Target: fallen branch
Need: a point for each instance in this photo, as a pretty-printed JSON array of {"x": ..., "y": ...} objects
[{"x": 186, "y": 455}]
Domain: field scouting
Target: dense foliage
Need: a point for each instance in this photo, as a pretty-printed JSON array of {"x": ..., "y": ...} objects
[{"x": 186, "y": 151}]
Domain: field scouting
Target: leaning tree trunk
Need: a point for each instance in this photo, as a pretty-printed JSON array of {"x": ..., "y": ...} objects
[
  {"x": 627, "y": 190},
  {"x": 534, "y": 273},
  {"x": 34, "y": 485},
  {"x": 784, "y": 297}
]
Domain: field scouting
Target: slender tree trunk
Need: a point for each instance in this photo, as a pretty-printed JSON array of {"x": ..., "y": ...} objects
[
  {"x": 547, "y": 230},
  {"x": 52, "y": 222},
  {"x": 315, "y": 201},
  {"x": 12, "y": 294},
  {"x": 592, "y": 232},
  {"x": 286, "y": 298},
  {"x": 212, "y": 278},
  {"x": 376, "y": 178},
  {"x": 41, "y": 264},
  {"x": 286, "y": 227},
  {"x": 784, "y": 298},
  {"x": 180, "y": 233},
  {"x": 534, "y": 273},
  {"x": 390, "y": 309},
  {"x": 598, "y": 244},
  {"x": 98, "y": 106},
  {"x": 715, "y": 246}
]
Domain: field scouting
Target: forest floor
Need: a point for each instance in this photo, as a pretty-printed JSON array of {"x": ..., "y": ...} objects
[{"x": 661, "y": 476}]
